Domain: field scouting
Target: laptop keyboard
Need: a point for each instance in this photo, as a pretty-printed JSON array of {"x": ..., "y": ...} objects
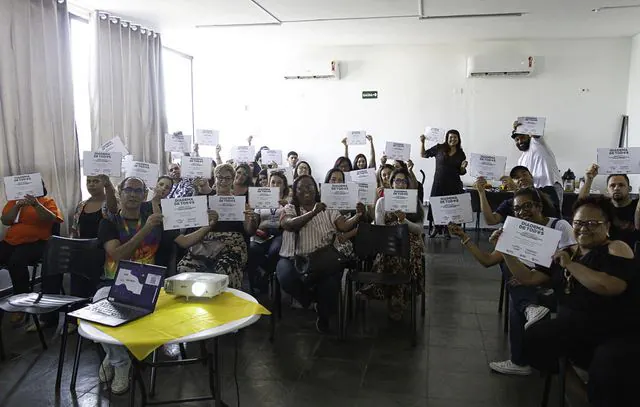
[{"x": 106, "y": 308}]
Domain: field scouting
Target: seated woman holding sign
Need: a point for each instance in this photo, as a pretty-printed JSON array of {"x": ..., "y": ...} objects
[
  {"x": 396, "y": 295},
  {"x": 524, "y": 310},
  {"x": 310, "y": 266},
  {"x": 598, "y": 321},
  {"x": 264, "y": 249},
  {"x": 224, "y": 249},
  {"x": 243, "y": 179},
  {"x": 302, "y": 168},
  {"x": 30, "y": 222},
  {"x": 360, "y": 162},
  {"x": 163, "y": 188}
]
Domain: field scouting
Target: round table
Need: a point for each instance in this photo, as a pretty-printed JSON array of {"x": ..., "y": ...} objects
[{"x": 90, "y": 332}]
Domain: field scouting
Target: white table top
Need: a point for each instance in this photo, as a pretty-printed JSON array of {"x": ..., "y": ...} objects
[{"x": 92, "y": 333}]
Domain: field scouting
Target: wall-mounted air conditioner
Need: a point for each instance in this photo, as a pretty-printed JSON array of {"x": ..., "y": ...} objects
[
  {"x": 505, "y": 65},
  {"x": 330, "y": 70}
]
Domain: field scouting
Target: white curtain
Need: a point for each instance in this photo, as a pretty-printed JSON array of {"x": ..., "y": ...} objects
[
  {"x": 127, "y": 90},
  {"x": 37, "y": 127}
]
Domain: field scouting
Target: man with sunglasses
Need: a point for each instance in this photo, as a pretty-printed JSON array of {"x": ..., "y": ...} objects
[{"x": 626, "y": 226}]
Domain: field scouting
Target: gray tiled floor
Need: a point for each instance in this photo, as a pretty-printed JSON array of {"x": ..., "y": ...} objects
[{"x": 377, "y": 367}]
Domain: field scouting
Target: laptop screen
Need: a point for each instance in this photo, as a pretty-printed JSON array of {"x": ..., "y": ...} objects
[{"x": 137, "y": 284}]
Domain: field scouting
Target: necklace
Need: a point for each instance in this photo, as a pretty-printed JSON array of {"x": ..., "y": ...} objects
[{"x": 568, "y": 278}]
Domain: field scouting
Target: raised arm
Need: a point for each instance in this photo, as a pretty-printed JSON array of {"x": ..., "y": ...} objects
[
  {"x": 484, "y": 258},
  {"x": 218, "y": 158},
  {"x": 591, "y": 173},
  {"x": 110, "y": 193},
  {"x": 491, "y": 217},
  {"x": 372, "y": 157},
  {"x": 346, "y": 147},
  {"x": 345, "y": 225}
]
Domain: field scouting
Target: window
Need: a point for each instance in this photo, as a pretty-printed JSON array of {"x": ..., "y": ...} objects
[{"x": 178, "y": 90}]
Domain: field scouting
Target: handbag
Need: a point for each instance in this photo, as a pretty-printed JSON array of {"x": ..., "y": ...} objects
[{"x": 320, "y": 263}]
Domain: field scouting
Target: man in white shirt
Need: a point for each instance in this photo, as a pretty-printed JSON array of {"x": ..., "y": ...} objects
[{"x": 539, "y": 159}]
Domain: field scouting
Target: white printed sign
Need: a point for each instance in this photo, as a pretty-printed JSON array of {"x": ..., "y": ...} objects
[
  {"x": 435, "y": 134},
  {"x": 115, "y": 145},
  {"x": 244, "y": 154},
  {"x": 229, "y": 208},
  {"x": 398, "y": 151},
  {"x": 182, "y": 213},
  {"x": 102, "y": 163},
  {"x": 264, "y": 198},
  {"x": 357, "y": 137},
  {"x": 367, "y": 193},
  {"x": 18, "y": 186},
  {"x": 619, "y": 160},
  {"x": 207, "y": 137},
  {"x": 531, "y": 125},
  {"x": 487, "y": 166},
  {"x": 177, "y": 143},
  {"x": 366, "y": 176},
  {"x": 196, "y": 167},
  {"x": 452, "y": 208},
  {"x": 339, "y": 196},
  {"x": 272, "y": 156},
  {"x": 287, "y": 171},
  {"x": 404, "y": 200},
  {"x": 528, "y": 241},
  {"x": 148, "y": 172}
]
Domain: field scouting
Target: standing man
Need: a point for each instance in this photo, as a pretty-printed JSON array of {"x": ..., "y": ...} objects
[
  {"x": 539, "y": 159},
  {"x": 181, "y": 186},
  {"x": 627, "y": 225}
]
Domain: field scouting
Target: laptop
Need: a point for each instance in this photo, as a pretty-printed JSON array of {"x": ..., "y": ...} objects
[{"x": 134, "y": 294}]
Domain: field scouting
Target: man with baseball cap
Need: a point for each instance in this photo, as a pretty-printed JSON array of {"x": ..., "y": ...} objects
[{"x": 539, "y": 159}]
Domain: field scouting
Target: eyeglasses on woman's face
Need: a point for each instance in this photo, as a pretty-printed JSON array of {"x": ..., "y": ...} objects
[
  {"x": 527, "y": 206},
  {"x": 133, "y": 191},
  {"x": 221, "y": 178},
  {"x": 587, "y": 224}
]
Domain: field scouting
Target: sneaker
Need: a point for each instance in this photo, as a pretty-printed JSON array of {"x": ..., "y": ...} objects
[
  {"x": 172, "y": 350},
  {"x": 105, "y": 373},
  {"x": 534, "y": 313},
  {"x": 120, "y": 383},
  {"x": 322, "y": 326},
  {"x": 508, "y": 367}
]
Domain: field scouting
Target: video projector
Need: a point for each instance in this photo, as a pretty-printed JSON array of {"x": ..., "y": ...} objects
[{"x": 206, "y": 285}]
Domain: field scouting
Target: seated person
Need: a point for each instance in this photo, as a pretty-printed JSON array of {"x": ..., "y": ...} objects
[
  {"x": 336, "y": 176},
  {"x": 626, "y": 224},
  {"x": 343, "y": 164},
  {"x": 523, "y": 179},
  {"x": 309, "y": 226},
  {"x": 360, "y": 162},
  {"x": 243, "y": 179},
  {"x": 302, "y": 168},
  {"x": 598, "y": 322},
  {"x": 264, "y": 250},
  {"x": 131, "y": 235},
  {"x": 384, "y": 175},
  {"x": 397, "y": 295},
  {"x": 30, "y": 223},
  {"x": 263, "y": 178},
  {"x": 223, "y": 250},
  {"x": 524, "y": 310},
  {"x": 181, "y": 186},
  {"x": 163, "y": 188}
]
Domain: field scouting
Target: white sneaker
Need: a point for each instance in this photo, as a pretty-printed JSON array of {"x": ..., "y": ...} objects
[
  {"x": 105, "y": 372},
  {"x": 508, "y": 367},
  {"x": 120, "y": 383},
  {"x": 534, "y": 313},
  {"x": 172, "y": 350}
]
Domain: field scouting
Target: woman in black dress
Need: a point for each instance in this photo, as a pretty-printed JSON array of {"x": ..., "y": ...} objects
[{"x": 451, "y": 163}]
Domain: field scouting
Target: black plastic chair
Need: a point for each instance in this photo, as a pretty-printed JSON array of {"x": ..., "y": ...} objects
[
  {"x": 80, "y": 257},
  {"x": 370, "y": 241}
]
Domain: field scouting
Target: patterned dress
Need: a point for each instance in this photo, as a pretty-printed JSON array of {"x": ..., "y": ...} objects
[{"x": 398, "y": 296}]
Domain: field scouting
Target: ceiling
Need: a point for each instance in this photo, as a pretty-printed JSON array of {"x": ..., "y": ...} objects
[{"x": 375, "y": 21}]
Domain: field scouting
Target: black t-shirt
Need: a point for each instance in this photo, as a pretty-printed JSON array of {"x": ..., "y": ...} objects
[
  {"x": 506, "y": 208},
  {"x": 88, "y": 224},
  {"x": 620, "y": 311},
  {"x": 623, "y": 227}
]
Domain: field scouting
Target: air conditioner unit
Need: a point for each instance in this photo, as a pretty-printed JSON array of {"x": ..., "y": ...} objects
[
  {"x": 481, "y": 66},
  {"x": 329, "y": 70}
]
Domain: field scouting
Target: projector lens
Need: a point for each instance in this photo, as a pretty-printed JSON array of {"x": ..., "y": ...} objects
[{"x": 198, "y": 289}]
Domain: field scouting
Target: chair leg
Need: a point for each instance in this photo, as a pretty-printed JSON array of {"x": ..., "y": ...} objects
[
  {"x": 2, "y": 354},
  {"x": 546, "y": 390},
  {"x": 562, "y": 378},
  {"x": 423, "y": 305},
  {"x": 506, "y": 313},
  {"x": 153, "y": 373},
  {"x": 501, "y": 298},
  {"x": 414, "y": 340},
  {"x": 76, "y": 363},
  {"x": 63, "y": 348},
  {"x": 278, "y": 298},
  {"x": 341, "y": 307},
  {"x": 183, "y": 351},
  {"x": 39, "y": 329}
]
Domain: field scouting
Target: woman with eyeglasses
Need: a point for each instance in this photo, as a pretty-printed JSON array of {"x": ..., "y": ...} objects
[
  {"x": 524, "y": 307},
  {"x": 309, "y": 226},
  {"x": 598, "y": 322},
  {"x": 451, "y": 163},
  {"x": 243, "y": 179},
  {"x": 224, "y": 249},
  {"x": 400, "y": 179},
  {"x": 264, "y": 247}
]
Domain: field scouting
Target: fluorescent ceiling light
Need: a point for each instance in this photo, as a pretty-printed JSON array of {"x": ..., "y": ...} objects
[
  {"x": 605, "y": 8},
  {"x": 442, "y": 17}
]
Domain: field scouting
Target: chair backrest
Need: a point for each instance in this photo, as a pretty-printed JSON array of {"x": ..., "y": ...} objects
[
  {"x": 81, "y": 257},
  {"x": 390, "y": 240}
]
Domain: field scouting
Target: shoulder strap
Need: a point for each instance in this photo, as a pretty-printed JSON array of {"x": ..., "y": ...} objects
[{"x": 554, "y": 223}]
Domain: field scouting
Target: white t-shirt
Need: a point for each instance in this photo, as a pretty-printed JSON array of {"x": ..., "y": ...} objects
[{"x": 541, "y": 162}]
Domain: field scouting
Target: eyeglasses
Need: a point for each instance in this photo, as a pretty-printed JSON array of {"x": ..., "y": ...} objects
[
  {"x": 524, "y": 207},
  {"x": 133, "y": 191},
  {"x": 228, "y": 179},
  {"x": 306, "y": 188},
  {"x": 587, "y": 224},
  {"x": 403, "y": 181}
]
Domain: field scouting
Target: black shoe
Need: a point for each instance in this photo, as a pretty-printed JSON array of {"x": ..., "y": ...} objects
[
  {"x": 322, "y": 326},
  {"x": 434, "y": 232}
]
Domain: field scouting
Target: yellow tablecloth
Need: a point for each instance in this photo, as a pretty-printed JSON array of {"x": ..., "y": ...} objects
[{"x": 176, "y": 317}]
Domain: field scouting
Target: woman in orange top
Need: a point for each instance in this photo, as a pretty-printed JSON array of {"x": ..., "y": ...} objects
[{"x": 30, "y": 221}]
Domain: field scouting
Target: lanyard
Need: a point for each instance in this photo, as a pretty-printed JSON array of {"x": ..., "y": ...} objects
[{"x": 126, "y": 227}]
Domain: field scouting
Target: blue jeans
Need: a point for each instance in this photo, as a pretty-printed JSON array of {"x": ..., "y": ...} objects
[
  {"x": 117, "y": 355},
  {"x": 520, "y": 297},
  {"x": 325, "y": 292},
  {"x": 264, "y": 255}
]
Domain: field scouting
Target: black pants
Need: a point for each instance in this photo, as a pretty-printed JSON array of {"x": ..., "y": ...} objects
[
  {"x": 17, "y": 258},
  {"x": 611, "y": 356}
]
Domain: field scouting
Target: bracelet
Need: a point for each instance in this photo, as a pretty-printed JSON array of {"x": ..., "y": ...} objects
[{"x": 465, "y": 241}]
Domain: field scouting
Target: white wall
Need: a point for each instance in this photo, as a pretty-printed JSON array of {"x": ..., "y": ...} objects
[
  {"x": 633, "y": 100},
  {"x": 241, "y": 91}
]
